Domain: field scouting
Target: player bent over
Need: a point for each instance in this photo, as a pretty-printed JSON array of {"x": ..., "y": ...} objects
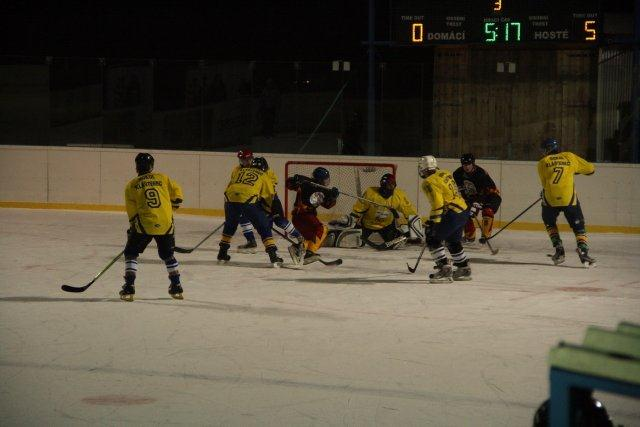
[
  {"x": 150, "y": 199},
  {"x": 556, "y": 170},
  {"x": 378, "y": 212},
  {"x": 477, "y": 188},
  {"x": 305, "y": 210},
  {"x": 276, "y": 212},
  {"x": 449, "y": 214},
  {"x": 247, "y": 189}
]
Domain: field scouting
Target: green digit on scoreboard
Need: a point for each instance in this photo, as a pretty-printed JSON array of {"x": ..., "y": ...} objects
[
  {"x": 507, "y": 30},
  {"x": 490, "y": 33}
]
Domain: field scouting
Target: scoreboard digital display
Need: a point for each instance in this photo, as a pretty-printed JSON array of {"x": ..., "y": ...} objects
[{"x": 491, "y": 22}]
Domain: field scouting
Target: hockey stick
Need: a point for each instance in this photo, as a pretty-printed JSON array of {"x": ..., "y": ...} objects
[
  {"x": 486, "y": 241},
  {"x": 337, "y": 261},
  {"x": 324, "y": 187},
  {"x": 189, "y": 250},
  {"x": 415, "y": 267},
  {"x": 483, "y": 240},
  {"x": 69, "y": 288}
]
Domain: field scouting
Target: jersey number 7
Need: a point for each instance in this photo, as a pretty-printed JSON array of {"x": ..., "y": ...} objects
[{"x": 557, "y": 172}]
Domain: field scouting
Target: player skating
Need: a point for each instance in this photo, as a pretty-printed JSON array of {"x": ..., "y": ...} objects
[
  {"x": 249, "y": 187},
  {"x": 378, "y": 212},
  {"x": 311, "y": 193},
  {"x": 245, "y": 158},
  {"x": 556, "y": 170},
  {"x": 447, "y": 218},
  {"x": 477, "y": 188},
  {"x": 150, "y": 199}
]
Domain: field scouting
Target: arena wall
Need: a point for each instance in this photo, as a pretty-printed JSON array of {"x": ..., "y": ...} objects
[{"x": 94, "y": 179}]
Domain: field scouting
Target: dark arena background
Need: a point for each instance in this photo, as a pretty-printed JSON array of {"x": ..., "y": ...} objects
[{"x": 362, "y": 89}]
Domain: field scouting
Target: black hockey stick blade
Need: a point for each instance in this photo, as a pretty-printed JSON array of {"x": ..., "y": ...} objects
[
  {"x": 334, "y": 262},
  {"x": 69, "y": 288},
  {"x": 415, "y": 267},
  {"x": 183, "y": 250}
]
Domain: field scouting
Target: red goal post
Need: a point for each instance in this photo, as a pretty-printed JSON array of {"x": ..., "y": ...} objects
[{"x": 351, "y": 177}]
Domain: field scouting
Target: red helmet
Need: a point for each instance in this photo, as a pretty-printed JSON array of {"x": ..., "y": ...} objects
[{"x": 245, "y": 154}]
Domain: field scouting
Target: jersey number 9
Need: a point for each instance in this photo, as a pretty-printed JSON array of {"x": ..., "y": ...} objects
[{"x": 153, "y": 198}]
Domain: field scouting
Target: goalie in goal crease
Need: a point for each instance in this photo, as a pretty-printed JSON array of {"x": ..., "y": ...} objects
[{"x": 384, "y": 218}]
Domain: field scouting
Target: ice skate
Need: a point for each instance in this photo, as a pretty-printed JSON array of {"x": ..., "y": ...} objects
[
  {"x": 585, "y": 259},
  {"x": 175, "y": 291},
  {"x": 558, "y": 257},
  {"x": 462, "y": 273},
  {"x": 223, "y": 256},
  {"x": 275, "y": 260},
  {"x": 127, "y": 292},
  {"x": 310, "y": 257},
  {"x": 251, "y": 247},
  {"x": 443, "y": 274}
]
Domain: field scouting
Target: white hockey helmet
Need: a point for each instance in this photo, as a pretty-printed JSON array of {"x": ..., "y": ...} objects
[{"x": 426, "y": 164}]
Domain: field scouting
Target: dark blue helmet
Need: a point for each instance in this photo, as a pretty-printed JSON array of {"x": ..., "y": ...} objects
[
  {"x": 467, "y": 159},
  {"x": 320, "y": 175},
  {"x": 144, "y": 163},
  {"x": 550, "y": 145},
  {"x": 260, "y": 163}
]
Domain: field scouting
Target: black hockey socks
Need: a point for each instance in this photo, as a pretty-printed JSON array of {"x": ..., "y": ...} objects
[
  {"x": 247, "y": 231},
  {"x": 172, "y": 268}
]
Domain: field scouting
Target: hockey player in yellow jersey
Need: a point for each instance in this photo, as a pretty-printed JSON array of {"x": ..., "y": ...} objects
[
  {"x": 556, "y": 171},
  {"x": 249, "y": 187},
  {"x": 379, "y": 211},
  {"x": 150, "y": 200},
  {"x": 449, "y": 213}
]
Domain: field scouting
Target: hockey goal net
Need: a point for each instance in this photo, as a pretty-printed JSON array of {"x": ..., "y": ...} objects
[{"x": 348, "y": 177}]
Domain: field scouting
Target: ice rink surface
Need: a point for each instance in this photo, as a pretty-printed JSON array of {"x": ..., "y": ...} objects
[{"x": 365, "y": 343}]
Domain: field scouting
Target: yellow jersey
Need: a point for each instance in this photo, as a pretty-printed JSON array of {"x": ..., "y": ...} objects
[
  {"x": 442, "y": 192},
  {"x": 150, "y": 199},
  {"x": 249, "y": 185},
  {"x": 375, "y": 217},
  {"x": 556, "y": 173}
]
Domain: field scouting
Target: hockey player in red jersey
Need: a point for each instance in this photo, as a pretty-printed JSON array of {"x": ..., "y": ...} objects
[
  {"x": 311, "y": 193},
  {"x": 477, "y": 188}
]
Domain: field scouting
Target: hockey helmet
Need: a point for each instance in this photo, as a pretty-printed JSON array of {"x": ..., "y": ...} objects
[
  {"x": 245, "y": 156},
  {"x": 387, "y": 184},
  {"x": 587, "y": 412},
  {"x": 321, "y": 175},
  {"x": 550, "y": 145},
  {"x": 144, "y": 163},
  {"x": 467, "y": 159},
  {"x": 427, "y": 165},
  {"x": 260, "y": 163}
]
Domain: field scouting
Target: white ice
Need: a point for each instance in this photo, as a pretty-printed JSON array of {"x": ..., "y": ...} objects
[{"x": 365, "y": 343}]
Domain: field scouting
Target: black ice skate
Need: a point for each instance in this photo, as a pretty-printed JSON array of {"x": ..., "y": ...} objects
[
  {"x": 223, "y": 256},
  {"x": 248, "y": 248},
  {"x": 585, "y": 259},
  {"x": 558, "y": 257},
  {"x": 274, "y": 258},
  {"x": 462, "y": 273},
  {"x": 127, "y": 292},
  {"x": 175, "y": 291},
  {"x": 310, "y": 257},
  {"x": 295, "y": 251},
  {"x": 443, "y": 274}
]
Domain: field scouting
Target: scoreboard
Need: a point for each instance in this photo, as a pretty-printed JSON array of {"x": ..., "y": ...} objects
[{"x": 493, "y": 22}]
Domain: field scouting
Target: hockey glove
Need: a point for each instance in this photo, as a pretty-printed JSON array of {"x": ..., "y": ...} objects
[
  {"x": 334, "y": 193},
  {"x": 316, "y": 199},
  {"x": 475, "y": 208}
]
